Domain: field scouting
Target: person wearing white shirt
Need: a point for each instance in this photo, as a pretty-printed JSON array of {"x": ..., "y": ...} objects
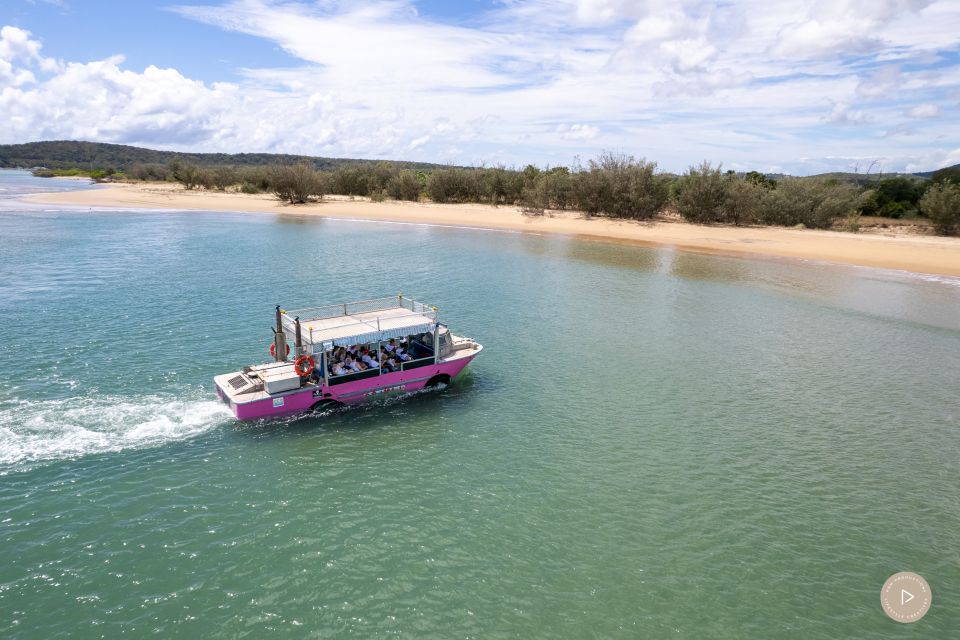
[
  {"x": 353, "y": 365},
  {"x": 390, "y": 346},
  {"x": 370, "y": 362},
  {"x": 338, "y": 369}
]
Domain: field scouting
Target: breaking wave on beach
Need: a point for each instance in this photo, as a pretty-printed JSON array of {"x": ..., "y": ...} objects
[{"x": 41, "y": 430}]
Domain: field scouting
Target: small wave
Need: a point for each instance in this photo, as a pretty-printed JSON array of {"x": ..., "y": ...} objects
[{"x": 33, "y": 431}]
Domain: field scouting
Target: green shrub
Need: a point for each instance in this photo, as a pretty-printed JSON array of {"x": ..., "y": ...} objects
[
  {"x": 621, "y": 186},
  {"x": 404, "y": 186},
  {"x": 297, "y": 183},
  {"x": 551, "y": 189},
  {"x": 814, "y": 203},
  {"x": 457, "y": 185},
  {"x": 702, "y": 193},
  {"x": 743, "y": 201},
  {"x": 894, "y": 210},
  {"x": 941, "y": 203},
  {"x": 148, "y": 172}
]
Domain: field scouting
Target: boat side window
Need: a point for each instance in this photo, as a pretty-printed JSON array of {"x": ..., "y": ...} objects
[{"x": 420, "y": 347}]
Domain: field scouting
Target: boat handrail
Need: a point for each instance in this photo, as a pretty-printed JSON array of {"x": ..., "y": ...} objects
[{"x": 363, "y": 306}]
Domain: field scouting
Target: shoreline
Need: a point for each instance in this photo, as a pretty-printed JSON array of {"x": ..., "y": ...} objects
[{"x": 931, "y": 255}]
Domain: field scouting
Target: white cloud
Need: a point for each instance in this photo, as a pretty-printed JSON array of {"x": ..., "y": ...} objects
[
  {"x": 924, "y": 111},
  {"x": 743, "y": 83},
  {"x": 16, "y": 45},
  {"x": 842, "y": 114},
  {"x": 843, "y": 26},
  {"x": 577, "y": 131}
]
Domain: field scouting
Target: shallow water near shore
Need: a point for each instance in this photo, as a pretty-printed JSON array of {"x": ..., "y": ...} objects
[{"x": 653, "y": 443}]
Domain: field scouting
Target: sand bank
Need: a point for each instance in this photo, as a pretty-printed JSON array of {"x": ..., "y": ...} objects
[{"x": 921, "y": 254}]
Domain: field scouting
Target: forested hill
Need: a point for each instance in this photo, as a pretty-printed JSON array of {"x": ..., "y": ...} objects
[
  {"x": 89, "y": 156},
  {"x": 69, "y": 154}
]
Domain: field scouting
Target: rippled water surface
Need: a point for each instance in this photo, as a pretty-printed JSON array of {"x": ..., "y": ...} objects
[{"x": 653, "y": 443}]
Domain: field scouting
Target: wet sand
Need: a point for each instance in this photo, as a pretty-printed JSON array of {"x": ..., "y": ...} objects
[{"x": 921, "y": 254}]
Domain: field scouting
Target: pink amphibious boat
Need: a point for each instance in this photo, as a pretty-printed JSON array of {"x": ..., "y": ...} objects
[{"x": 418, "y": 352}]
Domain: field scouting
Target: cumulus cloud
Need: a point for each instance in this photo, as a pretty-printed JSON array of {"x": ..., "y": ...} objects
[
  {"x": 744, "y": 83},
  {"x": 843, "y": 114},
  {"x": 843, "y": 26},
  {"x": 16, "y": 45},
  {"x": 577, "y": 131},
  {"x": 924, "y": 111}
]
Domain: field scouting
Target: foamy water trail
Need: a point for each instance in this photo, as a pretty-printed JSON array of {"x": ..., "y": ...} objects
[{"x": 38, "y": 430}]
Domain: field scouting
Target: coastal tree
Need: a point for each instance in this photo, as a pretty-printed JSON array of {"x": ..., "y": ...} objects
[
  {"x": 297, "y": 183},
  {"x": 550, "y": 189},
  {"x": 149, "y": 172},
  {"x": 760, "y": 179},
  {"x": 743, "y": 201},
  {"x": 184, "y": 172},
  {"x": 456, "y": 185},
  {"x": 941, "y": 203},
  {"x": 621, "y": 186},
  {"x": 350, "y": 180},
  {"x": 404, "y": 186},
  {"x": 893, "y": 197},
  {"x": 809, "y": 202},
  {"x": 701, "y": 194}
]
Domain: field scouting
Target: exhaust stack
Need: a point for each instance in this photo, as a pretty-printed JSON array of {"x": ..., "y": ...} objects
[
  {"x": 279, "y": 339},
  {"x": 298, "y": 339}
]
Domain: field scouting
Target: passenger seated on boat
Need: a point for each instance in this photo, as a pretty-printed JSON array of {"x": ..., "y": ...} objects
[
  {"x": 403, "y": 355},
  {"x": 387, "y": 362},
  {"x": 338, "y": 369},
  {"x": 369, "y": 361},
  {"x": 390, "y": 346},
  {"x": 352, "y": 365}
]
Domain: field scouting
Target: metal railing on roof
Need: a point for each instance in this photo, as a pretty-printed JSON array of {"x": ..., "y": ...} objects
[
  {"x": 355, "y": 326},
  {"x": 364, "y": 306}
]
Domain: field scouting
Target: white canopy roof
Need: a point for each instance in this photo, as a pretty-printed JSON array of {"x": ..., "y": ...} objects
[{"x": 394, "y": 318}]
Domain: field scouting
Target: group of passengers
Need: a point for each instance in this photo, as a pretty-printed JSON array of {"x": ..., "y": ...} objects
[{"x": 357, "y": 358}]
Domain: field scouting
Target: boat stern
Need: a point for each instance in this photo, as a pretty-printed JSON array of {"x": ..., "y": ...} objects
[{"x": 265, "y": 391}]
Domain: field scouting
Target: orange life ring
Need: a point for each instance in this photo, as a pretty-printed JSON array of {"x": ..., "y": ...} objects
[
  {"x": 273, "y": 349},
  {"x": 303, "y": 366}
]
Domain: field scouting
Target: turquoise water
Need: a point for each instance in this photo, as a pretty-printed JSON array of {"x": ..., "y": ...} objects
[{"x": 652, "y": 444}]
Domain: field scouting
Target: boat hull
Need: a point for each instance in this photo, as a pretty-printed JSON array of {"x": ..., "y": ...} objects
[{"x": 347, "y": 393}]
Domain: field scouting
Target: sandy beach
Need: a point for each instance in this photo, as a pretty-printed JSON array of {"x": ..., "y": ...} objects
[{"x": 921, "y": 254}]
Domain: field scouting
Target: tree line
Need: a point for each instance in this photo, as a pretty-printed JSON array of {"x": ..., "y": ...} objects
[{"x": 612, "y": 185}]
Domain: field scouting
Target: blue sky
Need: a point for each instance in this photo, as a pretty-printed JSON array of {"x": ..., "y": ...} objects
[{"x": 770, "y": 85}]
